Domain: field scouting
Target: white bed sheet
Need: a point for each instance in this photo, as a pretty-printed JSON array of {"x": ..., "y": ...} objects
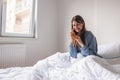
[
  {"x": 61, "y": 67},
  {"x": 16, "y": 73},
  {"x": 114, "y": 61}
]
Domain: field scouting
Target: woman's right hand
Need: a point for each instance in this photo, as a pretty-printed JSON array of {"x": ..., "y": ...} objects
[{"x": 73, "y": 38}]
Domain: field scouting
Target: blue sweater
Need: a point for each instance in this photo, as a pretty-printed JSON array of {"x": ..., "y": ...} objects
[{"x": 90, "y": 46}]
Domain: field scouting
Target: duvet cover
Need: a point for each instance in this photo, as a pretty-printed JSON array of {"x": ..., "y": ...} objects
[{"x": 60, "y": 66}]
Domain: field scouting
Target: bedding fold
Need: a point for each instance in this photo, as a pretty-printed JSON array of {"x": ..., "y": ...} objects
[{"x": 60, "y": 66}]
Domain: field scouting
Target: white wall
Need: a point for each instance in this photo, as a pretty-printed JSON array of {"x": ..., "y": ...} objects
[
  {"x": 53, "y": 26},
  {"x": 46, "y": 42},
  {"x": 101, "y": 16},
  {"x": 108, "y": 21}
]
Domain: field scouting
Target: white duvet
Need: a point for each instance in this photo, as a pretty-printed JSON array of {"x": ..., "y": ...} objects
[
  {"x": 61, "y": 67},
  {"x": 16, "y": 73}
]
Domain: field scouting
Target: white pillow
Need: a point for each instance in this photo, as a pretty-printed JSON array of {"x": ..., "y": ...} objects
[{"x": 109, "y": 50}]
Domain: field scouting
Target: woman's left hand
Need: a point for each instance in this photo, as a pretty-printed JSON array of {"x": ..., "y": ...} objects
[{"x": 79, "y": 41}]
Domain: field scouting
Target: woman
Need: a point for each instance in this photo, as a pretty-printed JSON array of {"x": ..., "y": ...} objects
[{"x": 83, "y": 41}]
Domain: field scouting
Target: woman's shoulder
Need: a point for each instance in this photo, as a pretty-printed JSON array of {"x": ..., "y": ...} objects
[{"x": 89, "y": 34}]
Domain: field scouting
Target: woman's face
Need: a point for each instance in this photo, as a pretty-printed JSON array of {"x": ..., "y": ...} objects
[{"x": 77, "y": 26}]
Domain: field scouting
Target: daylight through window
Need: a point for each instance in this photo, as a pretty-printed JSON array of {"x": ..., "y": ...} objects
[{"x": 18, "y": 18}]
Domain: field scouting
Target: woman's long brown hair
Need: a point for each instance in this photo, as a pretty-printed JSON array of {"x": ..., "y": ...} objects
[{"x": 79, "y": 19}]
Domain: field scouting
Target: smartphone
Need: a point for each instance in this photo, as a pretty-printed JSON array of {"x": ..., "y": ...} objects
[{"x": 76, "y": 33}]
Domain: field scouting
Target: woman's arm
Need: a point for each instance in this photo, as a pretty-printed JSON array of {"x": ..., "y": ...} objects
[
  {"x": 73, "y": 51},
  {"x": 90, "y": 47},
  {"x": 72, "y": 47}
]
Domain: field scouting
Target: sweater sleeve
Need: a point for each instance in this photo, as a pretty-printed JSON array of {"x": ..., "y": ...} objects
[
  {"x": 90, "y": 47},
  {"x": 73, "y": 51}
]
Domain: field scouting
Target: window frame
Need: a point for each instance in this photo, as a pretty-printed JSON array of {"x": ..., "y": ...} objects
[{"x": 33, "y": 25}]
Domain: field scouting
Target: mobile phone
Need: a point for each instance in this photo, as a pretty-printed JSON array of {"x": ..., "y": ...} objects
[{"x": 76, "y": 33}]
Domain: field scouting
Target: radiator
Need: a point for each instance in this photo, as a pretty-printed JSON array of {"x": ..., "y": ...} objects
[{"x": 12, "y": 55}]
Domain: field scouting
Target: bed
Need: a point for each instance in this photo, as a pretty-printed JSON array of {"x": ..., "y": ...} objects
[{"x": 60, "y": 66}]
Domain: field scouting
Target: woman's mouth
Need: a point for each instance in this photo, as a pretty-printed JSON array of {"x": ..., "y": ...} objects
[{"x": 78, "y": 29}]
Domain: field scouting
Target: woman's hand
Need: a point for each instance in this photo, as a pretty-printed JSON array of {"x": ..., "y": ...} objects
[
  {"x": 76, "y": 40},
  {"x": 73, "y": 38},
  {"x": 79, "y": 41}
]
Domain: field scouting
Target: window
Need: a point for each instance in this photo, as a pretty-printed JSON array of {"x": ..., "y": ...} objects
[{"x": 18, "y": 18}]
